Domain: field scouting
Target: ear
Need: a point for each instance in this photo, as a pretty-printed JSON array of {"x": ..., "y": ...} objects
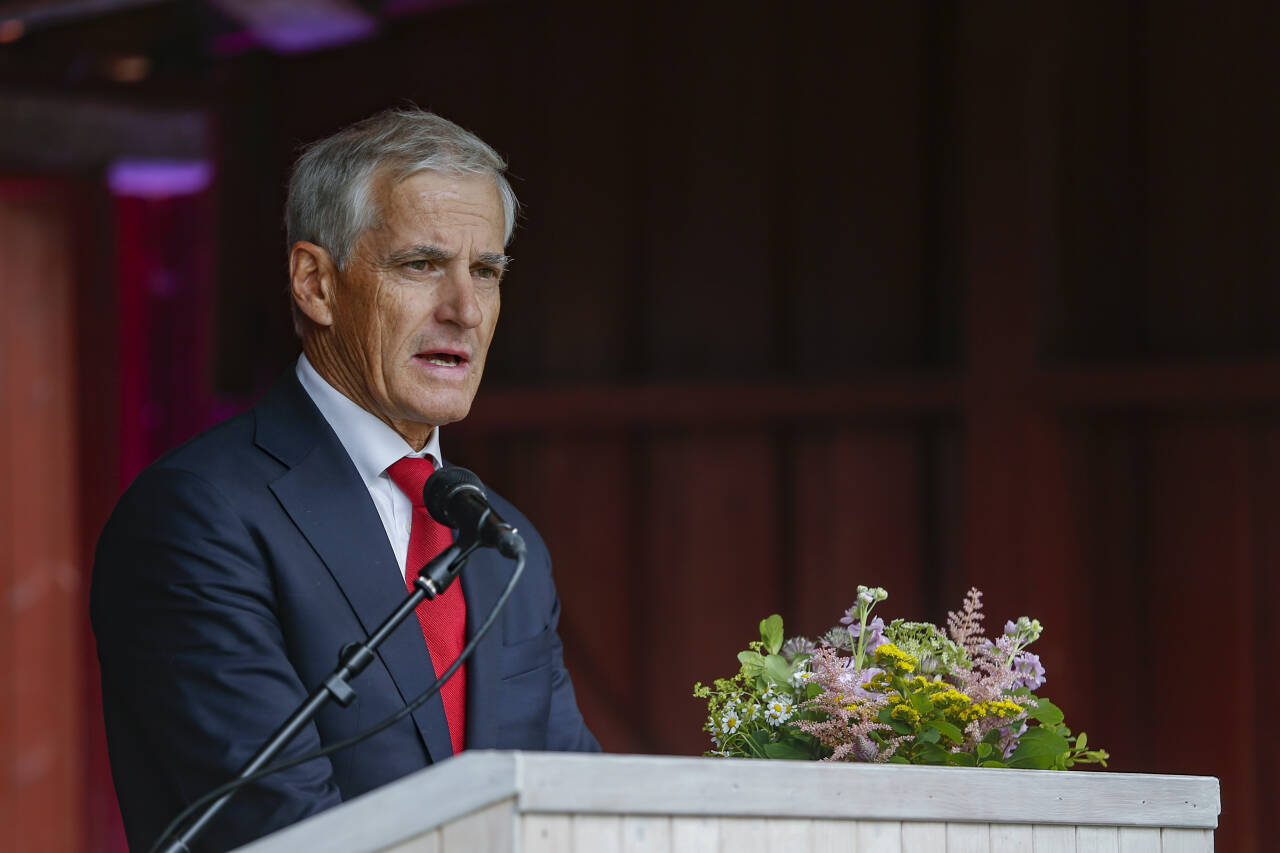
[{"x": 313, "y": 281}]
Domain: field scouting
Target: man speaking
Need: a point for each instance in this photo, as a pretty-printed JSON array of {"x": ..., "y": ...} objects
[{"x": 234, "y": 568}]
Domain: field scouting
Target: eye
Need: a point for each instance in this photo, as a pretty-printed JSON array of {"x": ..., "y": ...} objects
[
  {"x": 418, "y": 265},
  {"x": 489, "y": 273}
]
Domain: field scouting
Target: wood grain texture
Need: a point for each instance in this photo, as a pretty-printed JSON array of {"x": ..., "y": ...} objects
[
  {"x": 695, "y": 834},
  {"x": 597, "y": 832},
  {"x": 646, "y": 834},
  {"x": 879, "y": 836},
  {"x": 1054, "y": 839},
  {"x": 924, "y": 835},
  {"x": 1012, "y": 838},
  {"x": 1187, "y": 841},
  {"x": 1097, "y": 839},
  {"x": 968, "y": 838},
  {"x": 491, "y": 828},
  {"x": 546, "y": 833},
  {"x": 1135, "y": 840}
]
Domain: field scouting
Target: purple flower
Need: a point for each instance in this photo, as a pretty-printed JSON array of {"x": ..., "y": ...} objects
[
  {"x": 875, "y": 633},
  {"x": 850, "y": 681},
  {"x": 1009, "y": 739},
  {"x": 1029, "y": 669}
]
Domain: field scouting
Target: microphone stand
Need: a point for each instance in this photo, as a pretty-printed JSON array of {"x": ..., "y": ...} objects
[{"x": 433, "y": 579}]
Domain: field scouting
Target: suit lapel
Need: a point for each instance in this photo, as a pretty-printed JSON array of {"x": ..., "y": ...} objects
[
  {"x": 324, "y": 496},
  {"x": 483, "y": 579}
]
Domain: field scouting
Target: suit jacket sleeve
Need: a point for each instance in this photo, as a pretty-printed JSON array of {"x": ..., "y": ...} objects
[{"x": 195, "y": 670}]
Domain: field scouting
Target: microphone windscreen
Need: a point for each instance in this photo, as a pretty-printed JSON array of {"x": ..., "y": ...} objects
[{"x": 438, "y": 493}]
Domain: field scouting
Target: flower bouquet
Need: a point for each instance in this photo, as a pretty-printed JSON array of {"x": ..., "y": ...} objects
[{"x": 902, "y": 692}]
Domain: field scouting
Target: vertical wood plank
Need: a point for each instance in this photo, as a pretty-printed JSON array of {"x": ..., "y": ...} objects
[
  {"x": 855, "y": 497},
  {"x": 835, "y": 836},
  {"x": 545, "y": 833},
  {"x": 1187, "y": 841},
  {"x": 491, "y": 828},
  {"x": 646, "y": 834},
  {"x": 741, "y": 833},
  {"x": 1097, "y": 839},
  {"x": 695, "y": 834},
  {"x": 1134, "y": 839},
  {"x": 1054, "y": 839},
  {"x": 602, "y": 833},
  {"x": 880, "y": 836},
  {"x": 41, "y": 787},
  {"x": 968, "y": 838},
  {"x": 1012, "y": 838},
  {"x": 924, "y": 835},
  {"x": 710, "y": 542},
  {"x": 789, "y": 835}
]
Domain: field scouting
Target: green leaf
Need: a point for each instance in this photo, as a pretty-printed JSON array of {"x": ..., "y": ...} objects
[
  {"x": 984, "y": 750},
  {"x": 786, "y": 750},
  {"x": 771, "y": 633},
  {"x": 777, "y": 670},
  {"x": 961, "y": 759},
  {"x": 898, "y": 759},
  {"x": 949, "y": 730},
  {"x": 1047, "y": 712},
  {"x": 1038, "y": 749},
  {"x": 752, "y": 663},
  {"x": 993, "y": 764},
  {"x": 929, "y": 735},
  {"x": 931, "y": 753},
  {"x": 1081, "y": 740},
  {"x": 922, "y": 703}
]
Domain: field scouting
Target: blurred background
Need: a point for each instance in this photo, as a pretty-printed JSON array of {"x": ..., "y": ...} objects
[{"x": 914, "y": 294}]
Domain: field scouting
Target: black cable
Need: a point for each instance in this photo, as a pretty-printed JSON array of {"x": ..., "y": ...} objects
[{"x": 418, "y": 701}]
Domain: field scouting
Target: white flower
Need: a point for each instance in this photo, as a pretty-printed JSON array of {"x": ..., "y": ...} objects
[
  {"x": 800, "y": 677},
  {"x": 778, "y": 710},
  {"x": 730, "y": 721}
]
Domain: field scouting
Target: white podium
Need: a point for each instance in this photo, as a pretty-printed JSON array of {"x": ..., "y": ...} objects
[{"x": 572, "y": 803}]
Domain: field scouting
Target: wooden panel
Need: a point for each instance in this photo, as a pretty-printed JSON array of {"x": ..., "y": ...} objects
[
  {"x": 543, "y": 833},
  {"x": 879, "y": 836},
  {"x": 491, "y": 828},
  {"x": 924, "y": 835},
  {"x": 709, "y": 151},
  {"x": 1012, "y": 838},
  {"x": 710, "y": 554},
  {"x": 788, "y": 835},
  {"x": 968, "y": 838},
  {"x": 41, "y": 787},
  {"x": 851, "y": 228},
  {"x": 1189, "y": 841},
  {"x": 741, "y": 833},
  {"x": 858, "y": 517},
  {"x": 643, "y": 834},
  {"x": 1097, "y": 839},
  {"x": 1134, "y": 840},
  {"x": 695, "y": 834},
  {"x": 601, "y": 833},
  {"x": 1054, "y": 839},
  {"x": 834, "y": 836},
  {"x": 580, "y": 492},
  {"x": 1201, "y": 554}
]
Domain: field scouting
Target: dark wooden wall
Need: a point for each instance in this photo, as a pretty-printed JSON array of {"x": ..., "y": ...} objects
[{"x": 922, "y": 295}]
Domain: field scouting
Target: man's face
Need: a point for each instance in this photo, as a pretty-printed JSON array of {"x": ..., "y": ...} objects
[{"x": 416, "y": 306}]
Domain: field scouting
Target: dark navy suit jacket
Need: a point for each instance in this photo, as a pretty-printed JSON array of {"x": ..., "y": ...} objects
[{"x": 229, "y": 575}]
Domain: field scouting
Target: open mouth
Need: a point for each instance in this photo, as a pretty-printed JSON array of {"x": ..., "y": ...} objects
[{"x": 441, "y": 359}]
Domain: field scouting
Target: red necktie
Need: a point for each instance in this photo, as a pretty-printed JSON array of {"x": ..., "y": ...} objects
[{"x": 444, "y": 618}]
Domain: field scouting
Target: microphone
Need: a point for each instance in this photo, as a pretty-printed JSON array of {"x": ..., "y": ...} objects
[{"x": 454, "y": 498}]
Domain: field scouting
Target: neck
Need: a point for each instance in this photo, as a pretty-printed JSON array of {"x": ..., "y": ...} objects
[{"x": 349, "y": 381}]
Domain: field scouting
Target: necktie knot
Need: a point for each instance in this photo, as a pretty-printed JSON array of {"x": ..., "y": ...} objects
[{"x": 410, "y": 475}]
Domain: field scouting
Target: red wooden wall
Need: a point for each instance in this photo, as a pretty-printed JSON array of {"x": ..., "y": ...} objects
[{"x": 917, "y": 294}]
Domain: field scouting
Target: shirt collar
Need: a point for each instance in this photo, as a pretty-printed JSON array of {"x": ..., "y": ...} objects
[{"x": 371, "y": 444}]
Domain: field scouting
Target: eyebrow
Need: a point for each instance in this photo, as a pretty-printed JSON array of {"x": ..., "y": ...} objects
[{"x": 435, "y": 253}]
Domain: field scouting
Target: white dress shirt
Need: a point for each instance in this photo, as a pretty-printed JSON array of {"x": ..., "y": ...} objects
[{"x": 373, "y": 447}]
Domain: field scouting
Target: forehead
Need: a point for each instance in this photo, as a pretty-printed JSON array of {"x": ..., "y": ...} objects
[{"x": 441, "y": 202}]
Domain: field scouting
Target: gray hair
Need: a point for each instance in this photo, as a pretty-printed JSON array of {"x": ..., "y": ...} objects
[{"x": 331, "y": 189}]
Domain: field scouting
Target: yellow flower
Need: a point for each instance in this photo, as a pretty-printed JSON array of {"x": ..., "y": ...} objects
[{"x": 891, "y": 657}]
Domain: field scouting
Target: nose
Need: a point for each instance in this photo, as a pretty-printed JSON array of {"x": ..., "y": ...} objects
[{"x": 458, "y": 303}]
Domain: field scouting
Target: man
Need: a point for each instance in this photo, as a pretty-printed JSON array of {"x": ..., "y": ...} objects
[{"x": 235, "y": 567}]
